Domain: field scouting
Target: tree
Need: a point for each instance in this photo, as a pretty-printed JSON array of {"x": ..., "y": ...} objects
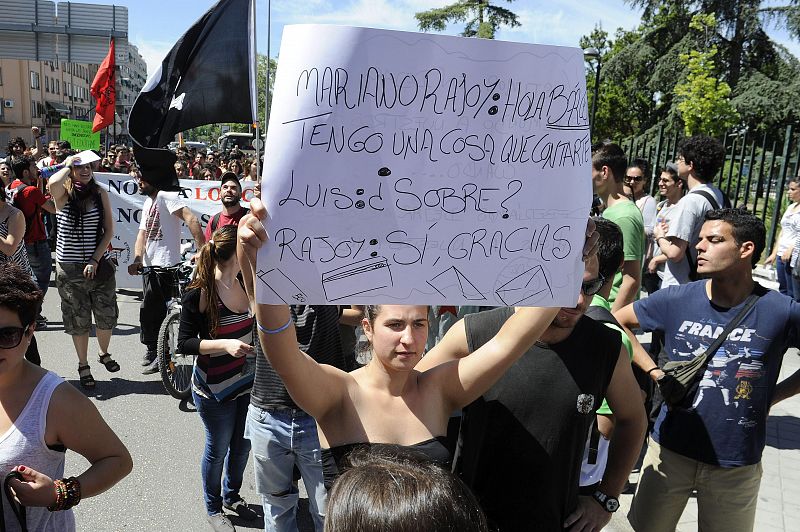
[
  {"x": 703, "y": 100},
  {"x": 741, "y": 38},
  {"x": 642, "y": 68},
  {"x": 481, "y": 16}
]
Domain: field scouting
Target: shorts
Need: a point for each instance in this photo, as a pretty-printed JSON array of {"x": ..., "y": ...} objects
[{"x": 82, "y": 297}]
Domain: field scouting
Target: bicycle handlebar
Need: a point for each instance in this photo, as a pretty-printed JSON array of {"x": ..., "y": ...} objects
[{"x": 162, "y": 269}]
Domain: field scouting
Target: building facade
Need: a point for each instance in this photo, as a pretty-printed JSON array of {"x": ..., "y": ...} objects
[{"x": 49, "y": 55}]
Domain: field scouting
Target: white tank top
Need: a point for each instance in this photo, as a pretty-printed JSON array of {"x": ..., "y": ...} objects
[{"x": 23, "y": 444}]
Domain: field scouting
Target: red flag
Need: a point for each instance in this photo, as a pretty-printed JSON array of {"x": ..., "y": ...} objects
[{"x": 104, "y": 91}]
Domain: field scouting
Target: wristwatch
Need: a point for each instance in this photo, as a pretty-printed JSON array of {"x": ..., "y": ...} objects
[{"x": 609, "y": 504}]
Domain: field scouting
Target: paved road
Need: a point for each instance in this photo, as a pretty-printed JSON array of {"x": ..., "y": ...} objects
[{"x": 165, "y": 438}]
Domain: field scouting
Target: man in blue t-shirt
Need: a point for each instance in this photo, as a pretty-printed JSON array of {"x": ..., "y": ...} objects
[{"x": 712, "y": 442}]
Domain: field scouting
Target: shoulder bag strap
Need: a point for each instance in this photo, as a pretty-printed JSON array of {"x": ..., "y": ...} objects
[
  {"x": 709, "y": 353},
  {"x": 16, "y": 508},
  {"x": 709, "y": 196},
  {"x": 714, "y": 205}
]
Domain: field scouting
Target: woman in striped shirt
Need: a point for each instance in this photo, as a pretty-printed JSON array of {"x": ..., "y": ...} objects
[
  {"x": 85, "y": 229},
  {"x": 217, "y": 325}
]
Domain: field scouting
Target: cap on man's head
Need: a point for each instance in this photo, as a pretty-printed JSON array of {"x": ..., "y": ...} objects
[{"x": 230, "y": 176}]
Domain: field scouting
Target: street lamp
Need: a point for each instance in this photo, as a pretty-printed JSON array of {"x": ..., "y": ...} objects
[{"x": 590, "y": 54}]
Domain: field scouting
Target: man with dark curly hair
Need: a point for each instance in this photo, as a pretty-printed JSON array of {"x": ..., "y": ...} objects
[
  {"x": 710, "y": 439},
  {"x": 16, "y": 146},
  {"x": 699, "y": 159}
]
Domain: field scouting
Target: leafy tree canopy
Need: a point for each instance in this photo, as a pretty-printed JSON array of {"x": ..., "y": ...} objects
[
  {"x": 481, "y": 16},
  {"x": 641, "y": 69}
]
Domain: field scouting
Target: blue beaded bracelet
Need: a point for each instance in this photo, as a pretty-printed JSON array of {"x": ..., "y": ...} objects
[{"x": 274, "y": 331}]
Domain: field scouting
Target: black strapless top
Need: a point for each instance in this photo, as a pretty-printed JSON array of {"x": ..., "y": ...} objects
[{"x": 335, "y": 460}]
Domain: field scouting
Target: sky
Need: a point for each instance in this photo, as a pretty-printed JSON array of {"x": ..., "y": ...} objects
[{"x": 155, "y": 25}]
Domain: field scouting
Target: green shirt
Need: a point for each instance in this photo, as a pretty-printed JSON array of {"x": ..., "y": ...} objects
[
  {"x": 600, "y": 301},
  {"x": 629, "y": 219}
]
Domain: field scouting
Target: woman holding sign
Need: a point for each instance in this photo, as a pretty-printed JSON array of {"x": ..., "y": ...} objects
[
  {"x": 84, "y": 273},
  {"x": 387, "y": 401}
]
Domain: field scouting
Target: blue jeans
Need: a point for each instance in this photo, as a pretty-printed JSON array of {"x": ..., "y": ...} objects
[
  {"x": 783, "y": 271},
  {"x": 225, "y": 444},
  {"x": 41, "y": 262},
  {"x": 282, "y": 438}
]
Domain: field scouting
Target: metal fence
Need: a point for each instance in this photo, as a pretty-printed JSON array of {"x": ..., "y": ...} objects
[{"x": 754, "y": 175}]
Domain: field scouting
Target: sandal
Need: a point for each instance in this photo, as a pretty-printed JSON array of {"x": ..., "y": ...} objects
[
  {"x": 85, "y": 374},
  {"x": 110, "y": 364}
]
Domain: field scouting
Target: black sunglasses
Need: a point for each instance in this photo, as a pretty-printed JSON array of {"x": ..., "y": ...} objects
[
  {"x": 10, "y": 337},
  {"x": 636, "y": 178},
  {"x": 590, "y": 288}
]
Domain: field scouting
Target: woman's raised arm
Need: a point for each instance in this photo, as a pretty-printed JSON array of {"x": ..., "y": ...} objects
[
  {"x": 464, "y": 380},
  {"x": 316, "y": 388}
]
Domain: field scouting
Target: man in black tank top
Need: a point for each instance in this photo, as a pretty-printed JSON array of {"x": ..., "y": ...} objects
[{"x": 521, "y": 444}]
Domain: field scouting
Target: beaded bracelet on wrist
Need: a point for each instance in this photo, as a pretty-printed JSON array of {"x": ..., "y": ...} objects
[{"x": 68, "y": 494}]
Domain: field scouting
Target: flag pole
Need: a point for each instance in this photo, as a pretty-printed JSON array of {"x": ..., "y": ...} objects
[
  {"x": 256, "y": 121},
  {"x": 266, "y": 96},
  {"x": 114, "y": 85}
]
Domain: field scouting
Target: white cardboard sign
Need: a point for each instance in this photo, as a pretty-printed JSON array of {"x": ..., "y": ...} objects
[{"x": 424, "y": 169}]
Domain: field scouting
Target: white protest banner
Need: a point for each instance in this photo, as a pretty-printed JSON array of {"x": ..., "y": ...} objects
[
  {"x": 416, "y": 168},
  {"x": 202, "y": 197}
]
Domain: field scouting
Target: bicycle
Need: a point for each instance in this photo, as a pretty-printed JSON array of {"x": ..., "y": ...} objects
[{"x": 176, "y": 368}]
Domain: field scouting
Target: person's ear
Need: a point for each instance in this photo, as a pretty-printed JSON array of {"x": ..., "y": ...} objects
[
  {"x": 367, "y": 327},
  {"x": 746, "y": 250}
]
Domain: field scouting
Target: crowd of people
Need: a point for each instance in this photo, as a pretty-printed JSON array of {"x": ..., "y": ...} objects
[{"x": 551, "y": 404}]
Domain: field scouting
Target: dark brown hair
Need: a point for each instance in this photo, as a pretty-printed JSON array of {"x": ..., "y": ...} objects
[
  {"x": 706, "y": 154},
  {"x": 610, "y": 155},
  {"x": 392, "y": 489},
  {"x": 220, "y": 248},
  {"x": 19, "y": 293}
]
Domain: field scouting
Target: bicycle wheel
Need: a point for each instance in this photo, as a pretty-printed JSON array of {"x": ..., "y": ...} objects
[{"x": 176, "y": 369}]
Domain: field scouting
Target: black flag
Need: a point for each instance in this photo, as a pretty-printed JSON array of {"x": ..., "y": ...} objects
[{"x": 208, "y": 77}]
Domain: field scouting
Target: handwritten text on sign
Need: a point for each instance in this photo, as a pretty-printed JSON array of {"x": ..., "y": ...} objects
[{"x": 415, "y": 168}]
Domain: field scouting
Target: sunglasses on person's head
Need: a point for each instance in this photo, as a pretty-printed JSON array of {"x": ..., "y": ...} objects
[
  {"x": 590, "y": 288},
  {"x": 10, "y": 337},
  {"x": 636, "y": 178}
]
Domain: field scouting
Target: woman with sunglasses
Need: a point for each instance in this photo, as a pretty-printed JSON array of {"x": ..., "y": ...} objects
[
  {"x": 386, "y": 402},
  {"x": 85, "y": 229},
  {"x": 634, "y": 187},
  {"x": 41, "y": 417}
]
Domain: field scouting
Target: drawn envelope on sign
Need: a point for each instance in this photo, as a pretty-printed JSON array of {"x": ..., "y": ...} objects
[
  {"x": 357, "y": 278},
  {"x": 283, "y": 287},
  {"x": 529, "y": 288},
  {"x": 452, "y": 283}
]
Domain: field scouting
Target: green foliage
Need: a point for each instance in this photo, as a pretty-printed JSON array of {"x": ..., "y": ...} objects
[
  {"x": 703, "y": 100},
  {"x": 642, "y": 68},
  {"x": 482, "y": 18}
]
